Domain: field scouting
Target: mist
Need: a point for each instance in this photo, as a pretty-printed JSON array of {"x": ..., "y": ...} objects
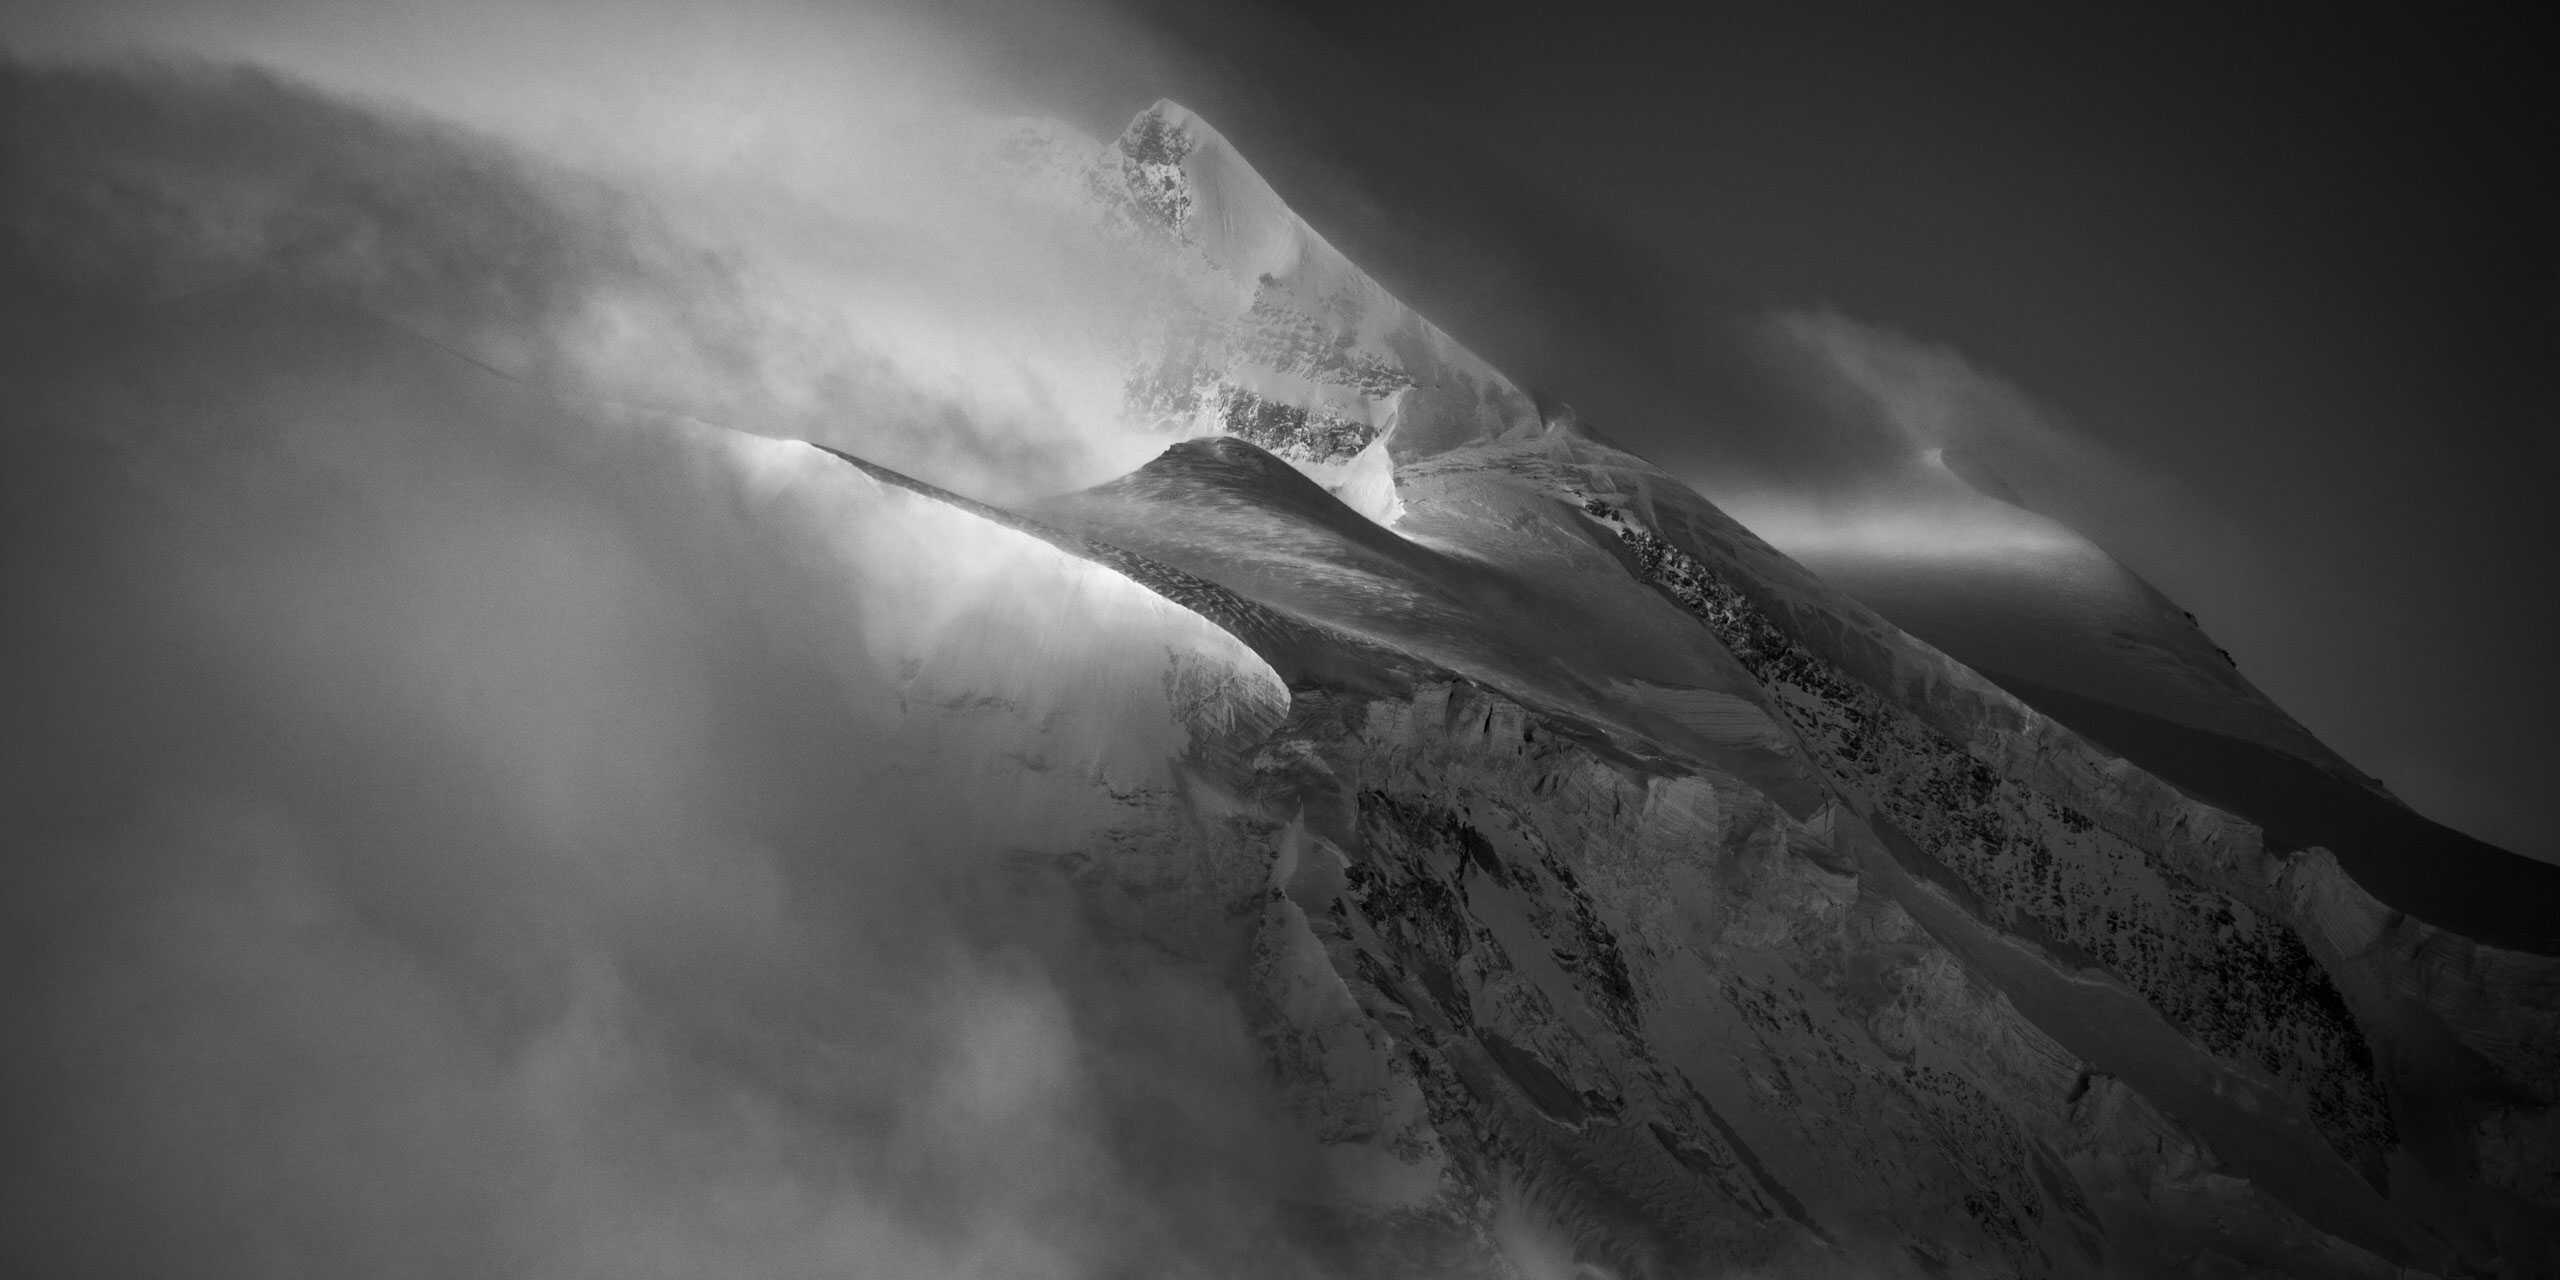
[
  {"x": 472, "y": 836},
  {"x": 490, "y": 806},
  {"x": 787, "y": 219},
  {"x": 1929, "y": 455}
]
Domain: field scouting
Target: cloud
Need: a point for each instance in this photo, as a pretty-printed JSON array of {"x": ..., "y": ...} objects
[
  {"x": 465, "y": 823},
  {"x": 475, "y": 828},
  {"x": 1933, "y": 455},
  {"x": 1928, "y": 394},
  {"x": 775, "y": 220}
]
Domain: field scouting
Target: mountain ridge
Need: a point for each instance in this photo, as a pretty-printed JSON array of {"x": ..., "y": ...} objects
[{"x": 1467, "y": 488}]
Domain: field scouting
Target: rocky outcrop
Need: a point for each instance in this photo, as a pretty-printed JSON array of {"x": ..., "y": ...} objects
[
  {"x": 2235, "y": 981},
  {"x": 1491, "y": 961},
  {"x": 1309, "y": 438}
]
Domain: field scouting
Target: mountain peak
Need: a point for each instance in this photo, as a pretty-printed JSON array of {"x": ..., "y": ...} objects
[
  {"x": 1281, "y": 339},
  {"x": 1166, "y": 116},
  {"x": 1189, "y": 180}
]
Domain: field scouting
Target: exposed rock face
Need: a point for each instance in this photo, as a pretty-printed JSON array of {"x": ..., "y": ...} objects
[
  {"x": 2232, "y": 980},
  {"x": 1308, "y": 438}
]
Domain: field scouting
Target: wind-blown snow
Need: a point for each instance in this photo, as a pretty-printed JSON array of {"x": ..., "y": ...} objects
[
  {"x": 1938, "y": 529},
  {"x": 1009, "y": 668}
]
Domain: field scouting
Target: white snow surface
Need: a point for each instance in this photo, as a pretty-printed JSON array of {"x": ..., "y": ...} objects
[{"x": 1036, "y": 681}]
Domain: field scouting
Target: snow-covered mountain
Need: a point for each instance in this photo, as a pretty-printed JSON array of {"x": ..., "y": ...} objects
[
  {"x": 1666, "y": 877},
  {"x": 1393, "y": 832}
]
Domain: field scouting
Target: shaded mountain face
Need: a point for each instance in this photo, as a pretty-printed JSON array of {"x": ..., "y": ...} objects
[
  {"x": 1393, "y": 832},
  {"x": 2147, "y": 909},
  {"x": 2054, "y": 619}
]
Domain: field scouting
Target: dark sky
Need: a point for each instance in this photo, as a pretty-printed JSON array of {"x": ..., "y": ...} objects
[{"x": 2304, "y": 266}]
